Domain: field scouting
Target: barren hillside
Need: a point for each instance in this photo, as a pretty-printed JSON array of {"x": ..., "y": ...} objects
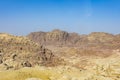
[
  {"x": 59, "y": 55},
  {"x": 63, "y": 38},
  {"x": 18, "y": 51}
]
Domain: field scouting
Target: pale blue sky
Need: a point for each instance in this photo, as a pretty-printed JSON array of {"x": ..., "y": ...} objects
[{"x": 21, "y": 17}]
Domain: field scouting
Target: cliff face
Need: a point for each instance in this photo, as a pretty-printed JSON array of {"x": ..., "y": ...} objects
[
  {"x": 62, "y": 38},
  {"x": 55, "y": 37},
  {"x": 17, "y": 52}
]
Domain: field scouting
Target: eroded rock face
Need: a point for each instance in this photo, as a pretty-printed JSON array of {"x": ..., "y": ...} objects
[{"x": 56, "y": 37}]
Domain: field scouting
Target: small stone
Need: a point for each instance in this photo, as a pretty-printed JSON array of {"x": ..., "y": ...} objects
[
  {"x": 1, "y": 61},
  {"x": 26, "y": 64}
]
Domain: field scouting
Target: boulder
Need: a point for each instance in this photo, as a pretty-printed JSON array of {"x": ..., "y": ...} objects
[{"x": 26, "y": 64}]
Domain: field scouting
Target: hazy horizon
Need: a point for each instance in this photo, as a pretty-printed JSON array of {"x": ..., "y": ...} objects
[{"x": 21, "y": 17}]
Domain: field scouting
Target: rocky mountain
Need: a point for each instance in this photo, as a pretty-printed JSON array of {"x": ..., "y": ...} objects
[
  {"x": 56, "y": 38},
  {"x": 63, "y": 38},
  {"x": 18, "y": 51}
]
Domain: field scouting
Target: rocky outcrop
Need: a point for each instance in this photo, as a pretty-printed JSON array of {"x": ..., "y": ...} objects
[
  {"x": 18, "y": 51},
  {"x": 26, "y": 64}
]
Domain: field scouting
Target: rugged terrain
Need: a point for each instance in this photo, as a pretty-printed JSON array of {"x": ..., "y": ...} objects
[
  {"x": 62, "y": 38},
  {"x": 17, "y": 52},
  {"x": 59, "y": 55}
]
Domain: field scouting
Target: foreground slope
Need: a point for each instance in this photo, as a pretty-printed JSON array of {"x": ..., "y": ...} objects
[
  {"x": 18, "y": 51},
  {"x": 100, "y": 69}
]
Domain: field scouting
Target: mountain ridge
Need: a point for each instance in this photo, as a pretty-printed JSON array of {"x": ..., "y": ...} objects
[{"x": 62, "y": 38}]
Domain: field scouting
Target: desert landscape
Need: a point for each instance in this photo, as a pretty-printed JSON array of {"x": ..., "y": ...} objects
[
  {"x": 59, "y": 39},
  {"x": 60, "y": 55}
]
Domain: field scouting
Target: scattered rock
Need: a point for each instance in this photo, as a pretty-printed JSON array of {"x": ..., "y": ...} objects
[
  {"x": 1, "y": 61},
  {"x": 14, "y": 56},
  {"x": 7, "y": 67},
  {"x": 26, "y": 64}
]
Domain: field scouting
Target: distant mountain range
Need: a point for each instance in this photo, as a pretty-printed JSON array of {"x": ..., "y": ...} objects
[{"x": 63, "y": 38}]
